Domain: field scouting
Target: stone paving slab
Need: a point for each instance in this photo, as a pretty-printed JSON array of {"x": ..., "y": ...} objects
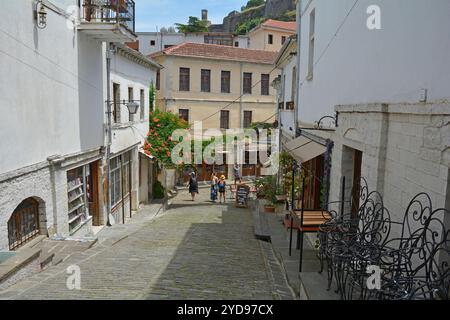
[{"x": 194, "y": 250}]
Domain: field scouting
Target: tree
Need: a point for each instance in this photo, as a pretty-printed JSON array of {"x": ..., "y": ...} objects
[
  {"x": 159, "y": 142},
  {"x": 194, "y": 25},
  {"x": 246, "y": 26}
]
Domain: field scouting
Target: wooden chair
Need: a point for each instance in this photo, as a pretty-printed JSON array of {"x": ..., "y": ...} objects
[{"x": 305, "y": 221}]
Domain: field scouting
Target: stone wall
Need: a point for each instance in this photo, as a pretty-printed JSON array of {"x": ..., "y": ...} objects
[
  {"x": 33, "y": 182},
  {"x": 276, "y": 8},
  {"x": 406, "y": 151}
]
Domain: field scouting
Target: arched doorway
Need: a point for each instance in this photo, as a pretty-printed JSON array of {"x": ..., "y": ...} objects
[{"x": 23, "y": 225}]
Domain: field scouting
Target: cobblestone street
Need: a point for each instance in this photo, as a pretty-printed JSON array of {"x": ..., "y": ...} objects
[{"x": 193, "y": 251}]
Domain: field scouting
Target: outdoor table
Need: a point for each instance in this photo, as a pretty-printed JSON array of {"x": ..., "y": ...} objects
[{"x": 308, "y": 221}]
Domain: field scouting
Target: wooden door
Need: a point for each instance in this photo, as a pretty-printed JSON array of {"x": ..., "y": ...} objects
[
  {"x": 357, "y": 162},
  {"x": 93, "y": 197}
]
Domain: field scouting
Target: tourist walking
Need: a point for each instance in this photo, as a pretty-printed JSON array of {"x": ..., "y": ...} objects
[
  {"x": 237, "y": 174},
  {"x": 193, "y": 185},
  {"x": 222, "y": 189},
  {"x": 214, "y": 182}
]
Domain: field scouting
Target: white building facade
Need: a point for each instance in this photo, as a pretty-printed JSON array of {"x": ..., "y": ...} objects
[
  {"x": 53, "y": 104},
  {"x": 379, "y": 70},
  {"x": 132, "y": 172}
]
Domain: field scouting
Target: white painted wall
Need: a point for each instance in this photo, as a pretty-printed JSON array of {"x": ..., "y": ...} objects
[
  {"x": 287, "y": 116},
  {"x": 51, "y": 94},
  {"x": 129, "y": 74},
  {"x": 390, "y": 65},
  {"x": 160, "y": 41}
]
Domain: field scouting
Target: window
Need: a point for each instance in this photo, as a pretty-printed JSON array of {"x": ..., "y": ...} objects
[
  {"x": 115, "y": 181},
  {"x": 312, "y": 23},
  {"x": 130, "y": 99},
  {"x": 294, "y": 84},
  {"x": 206, "y": 80},
  {"x": 224, "y": 119},
  {"x": 152, "y": 43},
  {"x": 225, "y": 81},
  {"x": 265, "y": 82},
  {"x": 126, "y": 173},
  {"x": 236, "y": 44},
  {"x": 185, "y": 74},
  {"x": 270, "y": 38},
  {"x": 142, "y": 104},
  {"x": 184, "y": 114},
  {"x": 247, "y": 83},
  {"x": 247, "y": 119},
  {"x": 158, "y": 80},
  {"x": 23, "y": 225},
  {"x": 120, "y": 178},
  {"x": 283, "y": 40},
  {"x": 116, "y": 103}
]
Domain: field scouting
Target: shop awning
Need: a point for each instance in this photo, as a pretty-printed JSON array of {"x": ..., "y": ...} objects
[
  {"x": 304, "y": 149},
  {"x": 142, "y": 152}
]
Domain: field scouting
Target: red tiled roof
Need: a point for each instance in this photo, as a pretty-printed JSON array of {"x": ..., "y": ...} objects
[
  {"x": 292, "y": 25},
  {"x": 213, "y": 51}
]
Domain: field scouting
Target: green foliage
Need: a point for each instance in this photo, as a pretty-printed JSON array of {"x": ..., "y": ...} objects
[
  {"x": 159, "y": 142},
  {"x": 194, "y": 25},
  {"x": 152, "y": 97},
  {"x": 246, "y": 26},
  {"x": 267, "y": 188},
  {"x": 252, "y": 4},
  {"x": 158, "y": 190}
]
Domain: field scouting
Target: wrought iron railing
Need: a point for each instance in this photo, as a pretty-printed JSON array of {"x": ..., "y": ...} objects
[{"x": 109, "y": 11}]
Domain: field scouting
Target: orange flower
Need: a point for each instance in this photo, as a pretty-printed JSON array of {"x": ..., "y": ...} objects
[
  {"x": 156, "y": 120},
  {"x": 158, "y": 125},
  {"x": 168, "y": 153}
]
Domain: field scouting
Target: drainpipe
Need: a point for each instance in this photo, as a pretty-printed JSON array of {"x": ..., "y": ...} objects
[
  {"x": 109, "y": 130},
  {"x": 297, "y": 96}
]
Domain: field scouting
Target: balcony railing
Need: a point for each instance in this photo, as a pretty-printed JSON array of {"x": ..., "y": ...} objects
[{"x": 109, "y": 11}]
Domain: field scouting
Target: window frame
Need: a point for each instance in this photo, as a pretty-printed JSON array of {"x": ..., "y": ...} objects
[
  {"x": 270, "y": 38},
  {"x": 312, "y": 27},
  {"x": 223, "y": 84},
  {"x": 184, "y": 79},
  {"x": 225, "y": 121},
  {"x": 247, "y": 87},
  {"x": 184, "y": 110},
  {"x": 247, "y": 124},
  {"x": 265, "y": 84},
  {"x": 205, "y": 80}
]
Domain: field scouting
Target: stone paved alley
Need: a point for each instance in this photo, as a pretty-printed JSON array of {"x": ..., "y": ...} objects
[{"x": 193, "y": 251}]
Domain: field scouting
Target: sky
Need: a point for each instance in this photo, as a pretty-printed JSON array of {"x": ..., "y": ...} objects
[{"x": 153, "y": 14}]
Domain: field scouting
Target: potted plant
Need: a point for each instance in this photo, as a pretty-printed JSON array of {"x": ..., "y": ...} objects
[{"x": 268, "y": 189}]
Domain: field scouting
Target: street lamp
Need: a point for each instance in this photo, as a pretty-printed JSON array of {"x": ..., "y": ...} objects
[{"x": 40, "y": 15}]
